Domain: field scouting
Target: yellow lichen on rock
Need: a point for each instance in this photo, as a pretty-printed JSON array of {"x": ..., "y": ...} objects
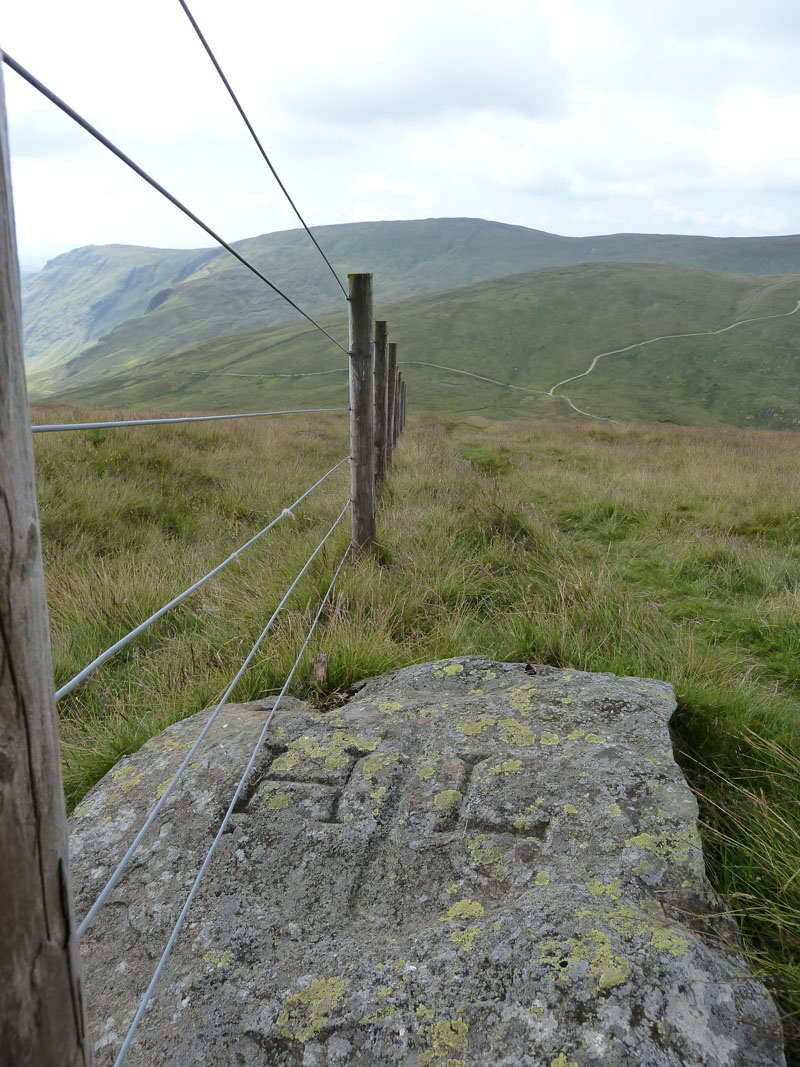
[{"x": 307, "y": 1012}]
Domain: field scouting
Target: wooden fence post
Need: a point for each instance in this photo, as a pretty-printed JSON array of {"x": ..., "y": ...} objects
[
  {"x": 381, "y": 392},
  {"x": 403, "y": 403},
  {"x": 399, "y": 399},
  {"x": 391, "y": 379},
  {"x": 362, "y": 437},
  {"x": 41, "y": 1004}
]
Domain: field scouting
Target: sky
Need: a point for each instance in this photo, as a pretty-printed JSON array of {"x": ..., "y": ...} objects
[{"x": 573, "y": 116}]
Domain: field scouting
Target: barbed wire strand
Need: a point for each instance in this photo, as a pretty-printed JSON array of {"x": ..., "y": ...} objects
[
  {"x": 123, "y": 641},
  {"x": 255, "y": 137},
  {"x": 123, "y": 863},
  {"x": 53, "y": 427},
  {"x": 195, "y": 886},
  {"x": 86, "y": 125}
]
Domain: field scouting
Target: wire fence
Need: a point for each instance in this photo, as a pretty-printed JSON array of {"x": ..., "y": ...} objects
[{"x": 377, "y": 414}]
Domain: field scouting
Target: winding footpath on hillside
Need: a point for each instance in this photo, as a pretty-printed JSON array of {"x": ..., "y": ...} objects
[{"x": 653, "y": 340}]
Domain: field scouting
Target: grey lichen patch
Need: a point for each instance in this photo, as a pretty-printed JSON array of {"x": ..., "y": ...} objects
[{"x": 306, "y": 1013}]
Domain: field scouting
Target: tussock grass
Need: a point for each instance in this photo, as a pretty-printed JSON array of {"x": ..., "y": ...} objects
[{"x": 661, "y": 552}]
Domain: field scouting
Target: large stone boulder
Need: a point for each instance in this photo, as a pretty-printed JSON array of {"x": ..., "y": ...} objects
[{"x": 466, "y": 863}]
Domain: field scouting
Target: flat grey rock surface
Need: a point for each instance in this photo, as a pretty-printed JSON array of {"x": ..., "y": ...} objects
[{"x": 467, "y": 863}]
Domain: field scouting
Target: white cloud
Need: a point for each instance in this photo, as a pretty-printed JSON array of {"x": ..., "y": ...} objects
[{"x": 569, "y": 115}]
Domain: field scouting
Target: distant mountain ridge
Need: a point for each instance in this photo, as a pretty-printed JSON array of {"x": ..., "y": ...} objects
[
  {"x": 497, "y": 347},
  {"x": 94, "y": 309}
]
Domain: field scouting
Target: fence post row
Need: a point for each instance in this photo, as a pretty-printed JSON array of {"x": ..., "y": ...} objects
[
  {"x": 362, "y": 438},
  {"x": 381, "y": 388},
  {"x": 41, "y": 1018}
]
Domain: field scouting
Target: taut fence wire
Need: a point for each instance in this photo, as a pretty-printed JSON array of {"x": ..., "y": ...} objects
[
  {"x": 109, "y": 424},
  {"x": 123, "y": 641}
]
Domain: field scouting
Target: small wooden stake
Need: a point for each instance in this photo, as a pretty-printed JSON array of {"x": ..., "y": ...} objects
[
  {"x": 381, "y": 396},
  {"x": 41, "y": 1006},
  {"x": 362, "y": 437}
]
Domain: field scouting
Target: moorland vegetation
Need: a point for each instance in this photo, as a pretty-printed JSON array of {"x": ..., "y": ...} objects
[{"x": 652, "y": 551}]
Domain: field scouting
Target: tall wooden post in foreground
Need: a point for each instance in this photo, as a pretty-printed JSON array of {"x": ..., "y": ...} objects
[
  {"x": 391, "y": 382},
  {"x": 362, "y": 437},
  {"x": 381, "y": 395},
  {"x": 41, "y": 1008}
]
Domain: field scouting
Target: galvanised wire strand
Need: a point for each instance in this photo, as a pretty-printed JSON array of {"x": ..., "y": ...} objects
[
  {"x": 179, "y": 923},
  {"x": 51, "y": 96},
  {"x": 255, "y": 137},
  {"x": 109, "y": 652},
  {"x": 53, "y": 427},
  {"x": 123, "y": 863}
]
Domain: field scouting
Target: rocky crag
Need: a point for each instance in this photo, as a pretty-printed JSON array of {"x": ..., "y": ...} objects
[{"x": 466, "y": 863}]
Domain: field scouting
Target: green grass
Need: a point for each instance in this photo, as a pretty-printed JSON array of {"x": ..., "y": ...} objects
[
  {"x": 529, "y": 330},
  {"x": 657, "y": 552}
]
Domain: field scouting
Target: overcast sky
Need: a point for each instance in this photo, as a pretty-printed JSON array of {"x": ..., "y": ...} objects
[{"x": 573, "y": 116}]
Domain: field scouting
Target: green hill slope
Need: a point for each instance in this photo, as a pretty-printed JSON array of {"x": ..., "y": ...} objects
[
  {"x": 528, "y": 330},
  {"x": 137, "y": 304}
]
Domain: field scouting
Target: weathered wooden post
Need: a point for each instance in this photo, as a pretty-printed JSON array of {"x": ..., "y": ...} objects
[
  {"x": 362, "y": 437},
  {"x": 381, "y": 395},
  {"x": 391, "y": 381},
  {"x": 399, "y": 404},
  {"x": 41, "y": 1005},
  {"x": 403, "y": 405}
]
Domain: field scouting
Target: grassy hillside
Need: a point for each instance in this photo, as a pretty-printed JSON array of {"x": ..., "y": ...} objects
[
  {"x": 657, "y": 552},
  {"x": 83, "y": 294},
  {"x": 530, "y": 330},
  {"x": 193, "y": 296}
]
